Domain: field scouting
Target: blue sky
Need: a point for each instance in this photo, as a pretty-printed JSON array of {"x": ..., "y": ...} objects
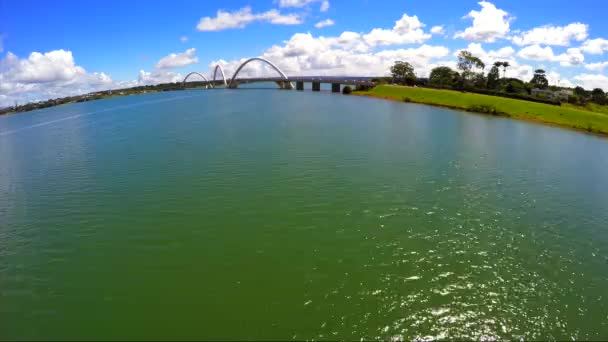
[{"x": 107, "y": 44}]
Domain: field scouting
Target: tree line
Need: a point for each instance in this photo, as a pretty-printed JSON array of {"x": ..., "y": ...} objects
[{"x": 471, "y": 76}]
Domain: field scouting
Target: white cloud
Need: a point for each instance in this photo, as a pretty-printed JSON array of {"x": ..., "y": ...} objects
[
  {"x": 489, "y": 57},
  {"x": 437, "y": 30},
  {"x": 571, "y": 57},
  {"x": 595, "y": 46},
  {"x": 53, "y": 66},
  {"x": 295, "y": 3},
  {"x": 553, "y": 35},
  {"x": 347, "y": 54},
  {"x": 555, "y": 78},
  {"x": 489, "y": 24},
  {"x": 600, "y": 66},
  {"x": 244, "y": 16},
  {"x": 407, "y": 30},
  {"x": 176, "y": 60},
  {"x": 324, "y": 6},
  {"x": 183, "y": 39},
  {"x": 45, "y": 75},
  {"x": 157, "y": 77},
  {"x": 324, "y": 23},
  {"x": 592, "y": 81},
  {"x": 537, "y": 53}
]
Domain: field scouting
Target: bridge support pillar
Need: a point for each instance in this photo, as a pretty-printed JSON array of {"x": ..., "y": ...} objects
[
  {"x": 316, "y": 86},
  {"x": 335, "y": 87},
  {"x": 233, "y": 85},
  {"x": 300, "y": 85}
]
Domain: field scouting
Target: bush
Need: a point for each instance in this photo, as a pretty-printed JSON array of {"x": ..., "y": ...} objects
[
  {"x": 514, "y": 96},
  {"x": 347, "y": 90},
  {"x": 361, "y": 87},
  {"x": 407, "y": 99},
  {"x": 382, "y": 80},
  {"x": 573, "y": 99},
  {"x": 484, "y": 108}
]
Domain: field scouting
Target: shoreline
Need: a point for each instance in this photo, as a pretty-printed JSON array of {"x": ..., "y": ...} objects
[
  {"x": 603, "y": 133},
  {"x": 521, "y": 117}
]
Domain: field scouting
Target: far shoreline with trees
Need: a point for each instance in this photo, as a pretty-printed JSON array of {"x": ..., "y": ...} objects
[
  {"x": 470, "y": 77},
  {"x": 470, "y": 89}
]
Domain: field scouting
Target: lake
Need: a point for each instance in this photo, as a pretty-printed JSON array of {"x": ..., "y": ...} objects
[{"x": 274, "y": 214}]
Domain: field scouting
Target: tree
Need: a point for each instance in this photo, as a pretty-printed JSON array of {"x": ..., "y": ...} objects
[
  {"x": 540, "y": 79},
  {"x": 443, "y": 77},
  {"x": 514, "y": 86},
  {"x": 505, "y": 65},
  {"x": 580, "y": 92},
  {"x": 598, "y": 96},
  {"x": 479, "y": 80},
  {"x": 466, "y": 63},
  {"x": 403, "y": 72},
  {"x": 494, "y": 76}
]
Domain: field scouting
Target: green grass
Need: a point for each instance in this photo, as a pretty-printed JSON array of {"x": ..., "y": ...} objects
[
  {"x": 566, "y": 116},
  {"x": 592, "y": 107}
]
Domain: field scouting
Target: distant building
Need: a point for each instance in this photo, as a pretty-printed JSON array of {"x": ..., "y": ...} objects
[
  {"x": 565, "y": 93},
  {"x": 561, "y": 94},
  {"x": 546, "y": 93}
]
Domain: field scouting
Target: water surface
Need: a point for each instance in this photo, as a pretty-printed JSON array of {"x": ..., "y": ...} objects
[{"x": 268, "y": 214}]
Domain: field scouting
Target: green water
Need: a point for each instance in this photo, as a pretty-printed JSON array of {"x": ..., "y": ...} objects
[{"x": 268, "y": 214}]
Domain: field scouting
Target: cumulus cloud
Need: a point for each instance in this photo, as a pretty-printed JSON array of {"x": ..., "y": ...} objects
[
  {"x": 347, "y": 54},
  {"x": 595, "y": 46},
  {"x": 175, "y": 60},
  {"x": 324, "y": 6},
  {"x": 162, "y": 70},
  {"x": 591, "y": 81},
  {"x": 437, "y": 30},
  {"x": 244, "y": 16},
  {"x": 157, "y": 77},
  {"x": 572, "y": 56},
  {"x": 600, "y": 66},
  {"x": 489, "y": 24},
  {"x": 324, "y": 23},
  {"x": 303, "y": 3},
  {"x": 556, "y": 78},
  {"x": 553, "y": 35},
  {"x": 407, "y": 30},
  {"x": 46, "y": 75}
]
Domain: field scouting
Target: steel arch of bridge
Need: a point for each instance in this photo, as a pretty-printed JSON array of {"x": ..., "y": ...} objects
[
  {"x": 222, "y": 72},
  {"x": 257, "y": 59},
  {"x": 236, "y": 73},
  {"x": 194, "y": 73}
]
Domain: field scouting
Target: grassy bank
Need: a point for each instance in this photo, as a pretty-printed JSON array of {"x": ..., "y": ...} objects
[{"x": 563, "y": 116}]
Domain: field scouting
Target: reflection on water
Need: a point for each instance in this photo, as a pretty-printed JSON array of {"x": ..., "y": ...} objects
[{"x": 266, "y": 214}]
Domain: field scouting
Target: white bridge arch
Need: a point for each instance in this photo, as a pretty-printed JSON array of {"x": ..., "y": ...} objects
[
  {"x": 222, "y": 72},
  {"x": 233, "y": 83},
  {"x": 276, "y": 68},
  {"x": 194, "y": 73}
]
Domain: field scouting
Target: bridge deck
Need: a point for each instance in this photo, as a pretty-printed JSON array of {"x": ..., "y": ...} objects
[{"x": 306, "y": 79}]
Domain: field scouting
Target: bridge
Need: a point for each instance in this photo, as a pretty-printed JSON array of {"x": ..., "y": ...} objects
[{"x": 283, "y": 81}]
